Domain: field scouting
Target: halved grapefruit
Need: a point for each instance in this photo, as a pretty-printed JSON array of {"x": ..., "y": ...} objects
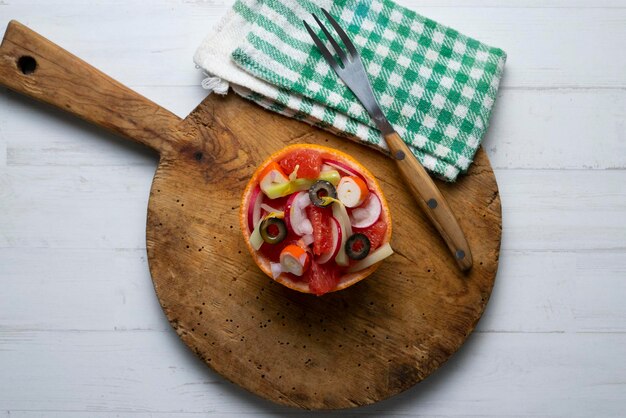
[{"x": 301, "y": 208}]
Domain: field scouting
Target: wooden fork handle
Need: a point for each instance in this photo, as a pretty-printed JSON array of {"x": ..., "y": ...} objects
[{"x": 430, "y": 200}]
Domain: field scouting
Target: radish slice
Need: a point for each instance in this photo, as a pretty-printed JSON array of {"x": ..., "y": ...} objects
[
  {"x": 254, "y": 210},
  {"x": 288, "y": 206},
  {"x": 379, "y": 255},
  {"x": 352, "y": 191},
  {"x": 368, "y": 213},
  {"x": 335, "y": 230},
  {"x": 345, "y": 168},
  {"x": 341, "y": 214},
  {"x": 341, "y": 166},
  {"x": 276, "y": 269},
  {"x": 295, "y": 211}
]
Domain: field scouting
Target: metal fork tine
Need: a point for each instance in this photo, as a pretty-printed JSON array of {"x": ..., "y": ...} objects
[
  {"x": 343, "y": 35},
  {"x": 342, "y": 55},
  {"x": 320, "y": 45}
]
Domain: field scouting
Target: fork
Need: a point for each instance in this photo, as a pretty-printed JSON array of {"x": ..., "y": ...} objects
[{"x": 349, "y": 68}]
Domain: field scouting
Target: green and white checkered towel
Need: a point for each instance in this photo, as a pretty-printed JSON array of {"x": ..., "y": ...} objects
[{"x": 436, "y": 86}]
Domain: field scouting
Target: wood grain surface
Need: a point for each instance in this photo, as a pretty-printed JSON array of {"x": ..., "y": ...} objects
[{"x": 346, "y": 349}]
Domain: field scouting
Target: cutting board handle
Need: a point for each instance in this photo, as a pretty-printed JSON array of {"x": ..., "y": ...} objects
[{"x": 32, "y": 65}]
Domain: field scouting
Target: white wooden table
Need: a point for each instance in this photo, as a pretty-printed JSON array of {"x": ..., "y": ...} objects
[{"x": 82, "y": 333}]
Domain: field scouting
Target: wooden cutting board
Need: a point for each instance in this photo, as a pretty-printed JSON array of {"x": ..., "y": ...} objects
[{"x": 345, "y": 349}]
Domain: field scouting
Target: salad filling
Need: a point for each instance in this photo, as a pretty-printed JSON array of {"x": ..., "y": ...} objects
[{"x": 316, "y": 219}]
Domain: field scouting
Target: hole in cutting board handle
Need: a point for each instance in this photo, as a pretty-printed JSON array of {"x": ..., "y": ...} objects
[{"x": 27, "y": 64}]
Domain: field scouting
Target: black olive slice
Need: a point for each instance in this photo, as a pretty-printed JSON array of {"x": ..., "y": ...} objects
[
  {"x": 321, "y": 189},
  {"x": 273, "y": 230},
  {"x": 358, "y": 246}
]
